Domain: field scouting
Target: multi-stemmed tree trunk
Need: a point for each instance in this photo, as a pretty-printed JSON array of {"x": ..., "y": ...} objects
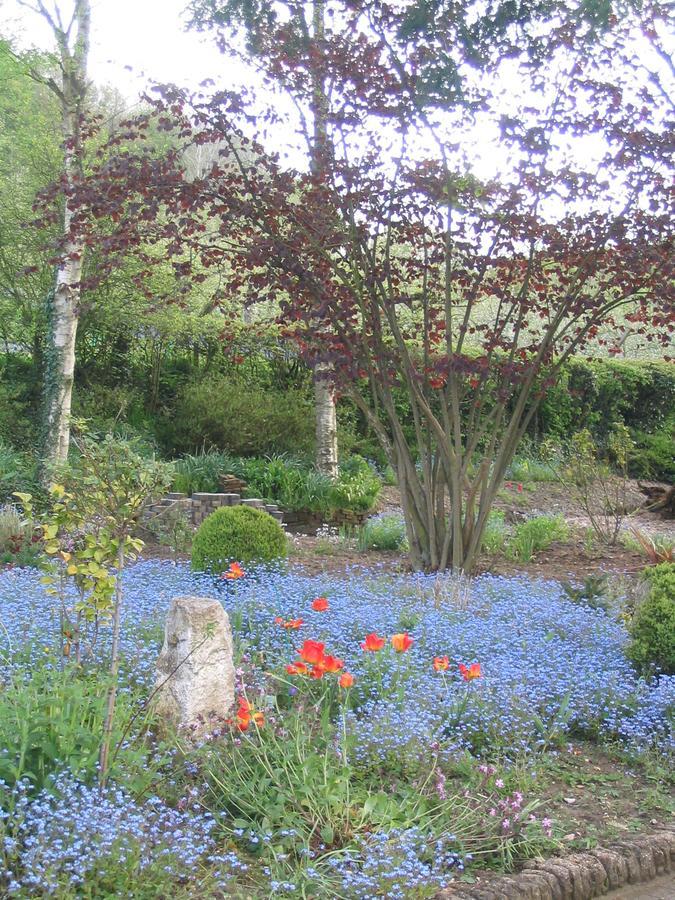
[
  {"x": 441, "y": 304},
  {"x": 72, "y": 41}
]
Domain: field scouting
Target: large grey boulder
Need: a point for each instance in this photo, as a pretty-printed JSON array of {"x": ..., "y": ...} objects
[{"x": 195, "y": 668}]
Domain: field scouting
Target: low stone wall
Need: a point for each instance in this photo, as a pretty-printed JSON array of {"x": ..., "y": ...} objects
[
  {"x": 303, "y": 521},
  {"x": 200, "y": 505},
  {"x": 579, "y": 876}
]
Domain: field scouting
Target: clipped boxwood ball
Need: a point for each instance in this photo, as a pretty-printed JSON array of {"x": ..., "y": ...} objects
[{"x": 237, "y": 534}]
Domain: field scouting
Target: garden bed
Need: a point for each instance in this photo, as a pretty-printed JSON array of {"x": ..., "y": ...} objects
[{"x": 411, "y": 780}]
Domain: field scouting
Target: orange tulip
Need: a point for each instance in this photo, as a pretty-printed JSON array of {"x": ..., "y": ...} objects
[
  {"x": 401, "y": 642},
  {"x": 468, "y": 674},
  {"x": 235, "y": 571},
  {"x": 312, "y": 652},
  {"x": 372, "y": 643},
  {"x": 320, "y": 604},
  {"x": 290, "y": 624},
  {"x": 297, "y": 668},
  {"x": 246, "y": 714},
  {"x": 346, "y": 680},
  {"x": 441, "y": 663},
  {"x": 332, "y": 663}
]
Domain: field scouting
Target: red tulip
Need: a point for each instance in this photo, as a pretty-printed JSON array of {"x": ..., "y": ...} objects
[
  {"x": 320, "y": 604},
  {"x": 372, "y": 643},
  {"x": 346, "y": 680},
  {"x": 290, "y": 624},
  {"x": 235, "y": 571},
  {"x": 441, "y": 663},
  {"x": 332, "y": 663},
  {"x": 246, "y": 714},
  {"x": 312, "y": 652},
  {"x": 297, "y": 668}
]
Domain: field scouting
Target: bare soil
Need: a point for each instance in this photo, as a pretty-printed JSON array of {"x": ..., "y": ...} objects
[{"x": 574, "y": 559}]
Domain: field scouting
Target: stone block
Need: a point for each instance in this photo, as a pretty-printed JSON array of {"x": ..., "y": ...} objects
[{"x": 195, "y": 668}]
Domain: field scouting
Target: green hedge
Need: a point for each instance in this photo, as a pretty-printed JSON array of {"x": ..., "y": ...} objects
[
  {"x": 599, "y": 394},
  {"x": 243, "y": 420},
  {"x": 641, "y": 395}
]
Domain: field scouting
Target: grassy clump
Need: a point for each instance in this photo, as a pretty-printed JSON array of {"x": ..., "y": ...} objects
[
  {"x": 535, "y": 535},
  {"x": 385, "y": 532},
  {"x": 522, "y": 542},
  {"x": 237, "y": 534}
]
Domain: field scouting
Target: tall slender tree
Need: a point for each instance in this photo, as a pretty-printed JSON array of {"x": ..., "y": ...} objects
[
  {"x": 71, "y": 32},
  {"x": 306, "y": 27}
]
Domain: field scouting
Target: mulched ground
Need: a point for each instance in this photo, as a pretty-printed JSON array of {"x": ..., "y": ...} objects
[{"x": 571, "y": 560}]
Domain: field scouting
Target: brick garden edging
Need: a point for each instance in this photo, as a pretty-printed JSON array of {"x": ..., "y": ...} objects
[{"x": 579, "y": 876}]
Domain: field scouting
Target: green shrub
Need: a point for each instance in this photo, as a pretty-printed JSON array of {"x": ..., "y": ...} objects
[
  {"x": 528, "y": 467},
  {"x": 19, "y": 542},
  {"x": 385, "y": 532},
  {"x": 201, "y": 471},
  {"x": 652, "y": 456},
  {"x": 52, "y": 721},
  {"x": 600, "y": 393},
  {"x": 291, "y": 483},
  {"x": 237, "y": 534},
  {"x": 244, "y": 421},
  {"x": 534, "y": 535},
  {"x": 653, "y": 627},
  {"x": 17, "y": 472}
]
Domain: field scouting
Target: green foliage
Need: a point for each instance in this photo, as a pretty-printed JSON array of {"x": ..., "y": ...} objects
[
  {"x": 591, "y": 592},
  {"x": 237, "y": 534},
  {"x": 657, "y": 548},
  {"x": 19, "y": 540},
  {"x": 243, "y": 420},
  {"x": 17, "y": 472},
  {"x": 653, "y": 627},
  {"x": 357, "y": 487},
  {"x": 200, "y": 471},
  {"x": 600, "y": 489},
  {"x": 290, "y": 482},
  {"x": 384, "y": 532},
  {"x": 88, "y": 532},
  {"x": 51, "y": 721},
  {"x": 171, "y": 528},
  {"x": 653, "y": 456},
  {"x": 534, "y": 535},
  {"x": 496, "y": 533},
  {"x": 638, "y": 394},
  {"x": 527, "y": 466}
]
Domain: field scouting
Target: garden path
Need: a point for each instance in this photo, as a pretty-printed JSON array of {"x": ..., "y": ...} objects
[{"x": 660, "y": 889}]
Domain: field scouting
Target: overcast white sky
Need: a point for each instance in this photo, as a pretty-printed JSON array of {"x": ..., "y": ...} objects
[
  {"x": 135, "y": 41},
  {"x": 148, "y": 35}
]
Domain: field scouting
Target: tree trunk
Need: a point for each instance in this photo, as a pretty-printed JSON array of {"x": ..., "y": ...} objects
[
  {"x": 60, "y": 369},
  {"x": 72, "y": 39},
  {"x": 325, "y": 409},
  {"x": 326, "y": 425}
]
